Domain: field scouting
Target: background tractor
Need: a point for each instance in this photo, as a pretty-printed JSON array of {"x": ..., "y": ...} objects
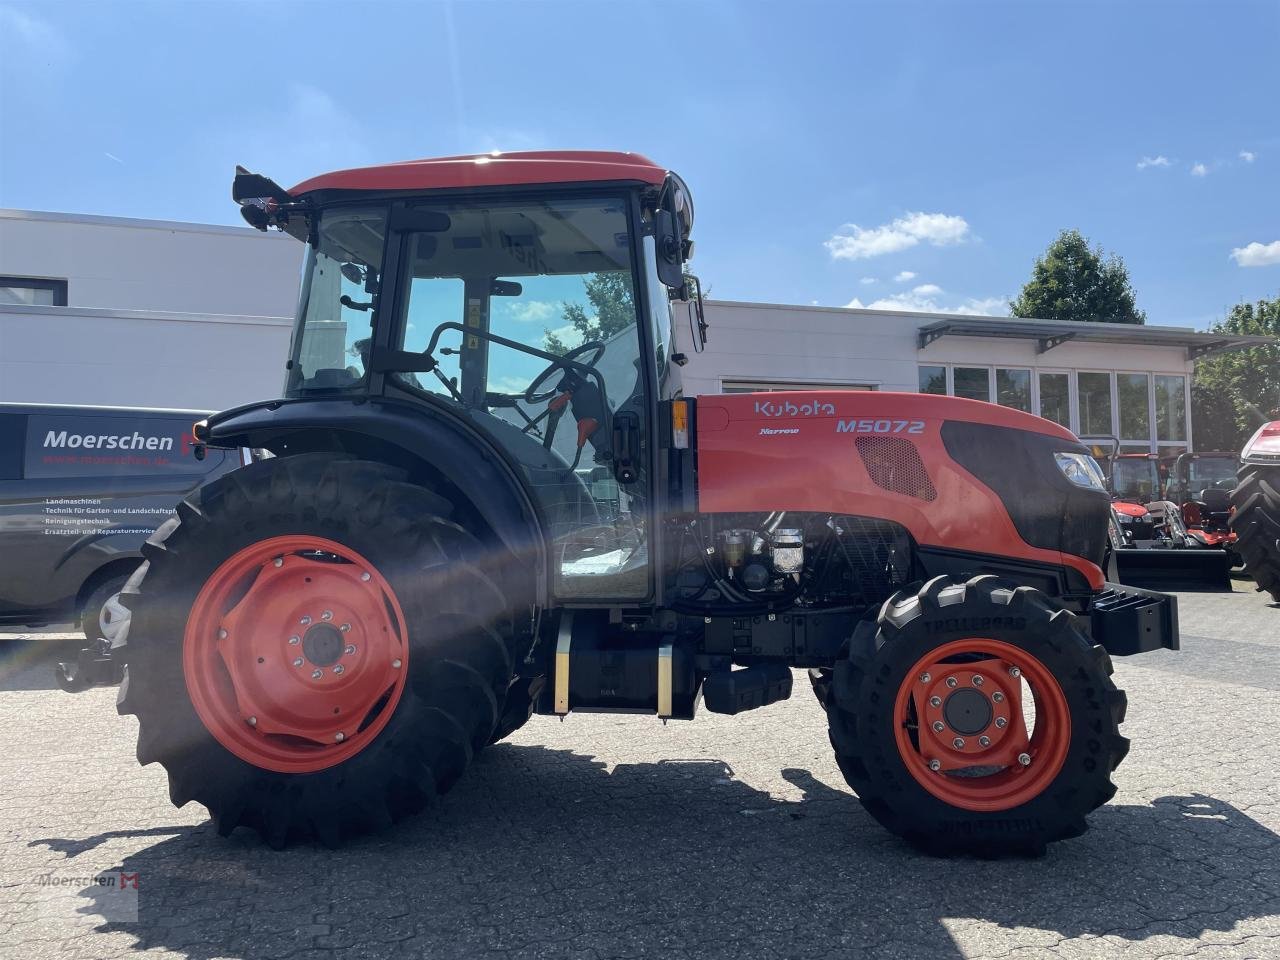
[
  {"x": 488, "y": 497},
  {"x": 1256, "y": 500}
]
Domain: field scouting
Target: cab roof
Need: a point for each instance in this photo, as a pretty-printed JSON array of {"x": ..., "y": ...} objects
[{"x": 492, "y": 169}]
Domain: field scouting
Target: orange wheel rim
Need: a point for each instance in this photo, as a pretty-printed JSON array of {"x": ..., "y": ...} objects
[
  {"x": 295, "y": 653},
  {"x": 960, "y": 730}
]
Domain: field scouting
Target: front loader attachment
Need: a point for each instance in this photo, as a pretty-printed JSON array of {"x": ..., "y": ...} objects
[{"x": 1187, "y": 569}]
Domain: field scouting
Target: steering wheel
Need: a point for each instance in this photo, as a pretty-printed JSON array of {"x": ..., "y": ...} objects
[{"x": 532, "y": 395}]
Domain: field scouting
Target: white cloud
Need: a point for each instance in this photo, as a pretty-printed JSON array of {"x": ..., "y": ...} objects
[
  {"x": 1248, "y": 156},
  {"x": 852, "y": 242},
  {"x": 867, "y": 281},
  {"x": 1157, "y": 161},
  {"x": 1199, "y": 170},
  {"x": 530, "y": 311},
  {"x": 922, "y": 300},
  {"x": 1257, "y": 254},
  {"x": 904, "y": 276}
]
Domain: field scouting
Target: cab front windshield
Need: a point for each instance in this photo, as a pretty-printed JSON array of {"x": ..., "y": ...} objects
[{"x": 1136, "y": 479}]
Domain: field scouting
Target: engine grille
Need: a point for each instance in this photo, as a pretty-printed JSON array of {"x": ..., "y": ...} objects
[
  {"x": 894, "y": 464},
  {"x": 869, "y": 559}
]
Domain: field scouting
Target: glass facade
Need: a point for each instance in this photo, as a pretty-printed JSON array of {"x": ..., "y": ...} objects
[
  {"x": 1013, "y": 389},
  {"x": 1094, "y": 390},
  {"x": 933, "y": 379},
  {"x": 1055, "y": 398},
  {"x": 972, "y": 382},
  {"x": 1171, "y": 408},
  {"x": 1133, "y": 394}
]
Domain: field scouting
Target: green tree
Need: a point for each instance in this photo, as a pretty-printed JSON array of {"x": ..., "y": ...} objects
[
  {"x": 610, "y": 297},
  {"x": 1233, "y": 393},
  {"x": 1074, "y": 281}
]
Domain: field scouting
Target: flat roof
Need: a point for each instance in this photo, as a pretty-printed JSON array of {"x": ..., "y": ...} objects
[
  {"x": 1047, "y": 333},
  {"x": 51, "y": 216}
]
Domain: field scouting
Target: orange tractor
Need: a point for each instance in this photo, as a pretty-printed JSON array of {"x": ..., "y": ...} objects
[{"x": 489, "y": 497}]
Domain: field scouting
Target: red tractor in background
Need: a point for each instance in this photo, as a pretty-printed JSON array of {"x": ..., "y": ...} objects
[
  {"x": 1255, "y": 517},
  {"x": 467, "y": 519},
  {"x": 1201, "y": 483}
]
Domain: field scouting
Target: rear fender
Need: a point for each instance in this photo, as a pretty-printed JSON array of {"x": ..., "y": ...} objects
[{"x": 436, "y": 447}]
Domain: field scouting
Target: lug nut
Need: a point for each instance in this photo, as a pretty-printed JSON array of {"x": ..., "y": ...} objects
[
  {"x": 984, "y": 741},
  {"x": 305, "y": 621},
  {"x": 938, "y": 726},
  {"x": 951, "y": 681},
  {"x": 339, "y": 737},
  {"x": 935, "y": 765},
  {"x": 278, "y": 561},
  {"x": 297, "y": 662},
  {"x": 339, "y": 669},
  {"x": 1000, "y": 722},
  {"x": 253, "y": 721},
  {"x": 925, "y": 678},
  {"x": 1024, "y": 759},
  {"x": 317, "y": 674},
  {"x": 327, "y": 615},
  {"x": 998, "y": 697},
  {"x": 1015, "y": 672},
  {"x": 222, "y": 634},
  {"x": 935, "y": 701},
  {"x": 365, "y": 576},
  {"x": 295, "y": 640},
  {"x": 349, "y": 649},
  {"x": 395, "y": 664},
  {"x": 958, "y": 743},
  {"x": 977, "y": 680},
  {"x": 345, "y": 627}
]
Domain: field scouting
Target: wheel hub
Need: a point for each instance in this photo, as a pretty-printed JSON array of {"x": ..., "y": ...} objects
[
  {"x": 323, "y": 644},
  {"x": 967, "y": 712}
]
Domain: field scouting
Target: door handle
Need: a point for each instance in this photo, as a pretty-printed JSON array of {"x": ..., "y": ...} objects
[{"x": 626, "y": 446}]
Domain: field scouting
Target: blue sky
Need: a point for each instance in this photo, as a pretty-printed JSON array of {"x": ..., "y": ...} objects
[{"x": 832, "y": 148}]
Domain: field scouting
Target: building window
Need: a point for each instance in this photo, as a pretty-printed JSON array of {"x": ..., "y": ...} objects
[
  {"x": 1055, "y": 398},
  {"x": 1013, "y": 389},
  {"x": 768, "y": 386},
  {"x": 32, "y": 291},
  {"x": 973, "y": 383},
  {"x": 1095, "y": 404},
  {"x": 1133, "y": 393},
  {"x": 1171, "y": 408},
  {"x": 933, "y": 379}
]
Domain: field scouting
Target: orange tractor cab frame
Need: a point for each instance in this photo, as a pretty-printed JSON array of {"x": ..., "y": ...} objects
[{"x": 489, "y": 497}]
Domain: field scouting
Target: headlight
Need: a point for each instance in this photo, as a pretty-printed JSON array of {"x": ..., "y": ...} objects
[
  {"x": 1124, "y": 518},
  {"x": 1082, "y": 470}
]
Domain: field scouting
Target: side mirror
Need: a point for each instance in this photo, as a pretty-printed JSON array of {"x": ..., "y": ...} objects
[
  {"x": 692, "y": 293},
  {"x": 668, "y": 246}
]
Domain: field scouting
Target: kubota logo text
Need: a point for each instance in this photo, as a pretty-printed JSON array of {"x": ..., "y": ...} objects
[
  {"x": 785, "y": 408},
  {"x": 106, "y": 441}
]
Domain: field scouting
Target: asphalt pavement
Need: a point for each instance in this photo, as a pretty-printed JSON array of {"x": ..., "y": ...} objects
[{"x": 615, "y": 837}]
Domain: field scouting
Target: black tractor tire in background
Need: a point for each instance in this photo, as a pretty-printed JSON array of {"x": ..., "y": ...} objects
[
  {"x": 860, "y": 708},
  {"x": 1256, "y": 522},
  {"x": 94, "y": 610},
  {"x": 461, "y": 645},
  {"x": 522, "y": 697}
]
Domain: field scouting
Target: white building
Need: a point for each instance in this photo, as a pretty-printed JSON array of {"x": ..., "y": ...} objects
[
  {"x": 108, "y": 310},
  {"x": 114, "y": 311}
]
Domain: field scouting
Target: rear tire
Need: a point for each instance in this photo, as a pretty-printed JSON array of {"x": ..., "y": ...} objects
[
  {"x": 458, "y": 652},
  {"x": 1256, "y": 522},
  {"x": 522, "y": 696},
  {"x": 983, "y": 801}
]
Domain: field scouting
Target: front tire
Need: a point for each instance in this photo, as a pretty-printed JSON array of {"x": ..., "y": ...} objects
[
  {"x": 1256, "y": 522},
  {"x": 928, "y": 728},
  {"x": 314, "y": 650}
]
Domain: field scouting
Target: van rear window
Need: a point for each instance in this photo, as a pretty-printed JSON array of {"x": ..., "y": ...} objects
[{"x": 80, "y": 446}]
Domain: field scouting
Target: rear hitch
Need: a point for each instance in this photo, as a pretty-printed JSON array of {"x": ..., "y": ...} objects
[{"x": 94, "y": 667}]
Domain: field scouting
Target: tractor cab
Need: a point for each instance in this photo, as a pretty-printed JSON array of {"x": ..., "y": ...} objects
[
  {"x": 1201, "y": 483},
  {"x": 1135, "y": 477},
  {"x": 525, "y": 294}
]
